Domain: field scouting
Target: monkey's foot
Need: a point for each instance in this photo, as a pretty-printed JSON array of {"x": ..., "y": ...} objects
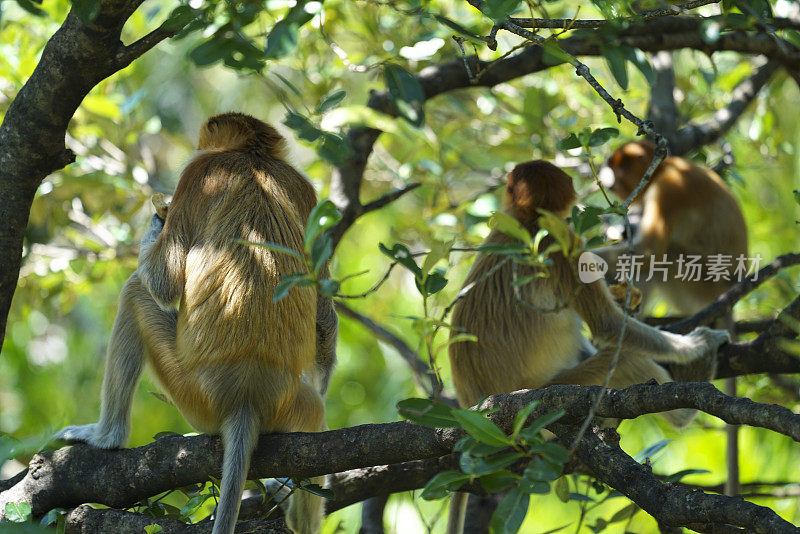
[
  {"x": 704, "y": 341},
  {"x": 94, "y": 435}
]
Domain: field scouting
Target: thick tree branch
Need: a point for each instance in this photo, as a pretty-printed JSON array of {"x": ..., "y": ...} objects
[
  {"x": 120, "y": 478},
  {"x": 662, "y": 109},
  {"x": 74, "y": 60},
  {"x": 670, "y": 504},
  {"x": 87, "y": 520}
]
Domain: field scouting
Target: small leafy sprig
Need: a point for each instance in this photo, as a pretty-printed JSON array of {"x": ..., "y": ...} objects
[{"x": 521, "y": 464}]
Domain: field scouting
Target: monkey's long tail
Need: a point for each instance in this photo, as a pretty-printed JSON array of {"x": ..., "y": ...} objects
[{"x": 239, "y": 437}]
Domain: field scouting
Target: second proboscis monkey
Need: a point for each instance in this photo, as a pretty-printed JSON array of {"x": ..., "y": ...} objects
[
  {"x": 539, "y": 342},
  {"x": 232, "y": 361},
  {"x": 687, "y": 212}
]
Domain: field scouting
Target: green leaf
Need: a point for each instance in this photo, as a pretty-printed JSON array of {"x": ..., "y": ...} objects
[
  {"x": 18, "y": 512},
  {"x": 180, "y": 17},
  {"x": 499, "y": 480},
  {"x": 639, "y": 59},
  {"x": 427, "y": 412},
  {"x": 473, "y": 447},
  {"x": 498, "y": 10},
  {"x": 86, "y": 10},
  {"x": 272, "y": 246},
  {"x": 434, "y": 283},
  {"x": 587, "y": 219},
  {"x": 493, "y": 464},
  {"x": 328, "y": 288},
  {"x": 282, "y": 40},
  {"x": 557, "y": 228},
  {"x": 402, "y": 255},
  {"x": 602, "y": 136},
  {"x": 318, "y": 490},
  {"x": 522, "y": 417},
  {"x": 552, "y": 452},
  {"x": 535, "y": 487},
  {"x": 510, "y": 513},
  {"x": 508, "y": 249},
  {"x": 458, "y": 28},
  {"x": 569, "y": 142},
  {"x": 540, "y": 470},
  {"x": 650, "y": 451},
  {"x": 406, "y": 93},
  {"x": 554, "y": 54},
  {"x": 288, "y": 281},
  {"x": 331, "y": 100},
  {"x": 211, "y": 51},
  {"x": 323, "y": 216},
  {"x": 334, "y": 148},
  {"x": 152, "y": 529},
  {"x": 300, "y": 124},
  {"x": 479, "y": 426},
  {"x": 321, "y": 251},
  {"x": 561, "y": 489},
  {"x": 677, "y": 477},
  {"x": 505, "y": 223},
  {"x": 52, "y": 516},
  {"x": 616, "y": 62},
  {"x": 443, "y": 483},
  {"x": 531, "y": 432},
  {"x": 438, "y": 251},
  {"x": 193, "y": 505},
  {"x": 624, "y": 514}
]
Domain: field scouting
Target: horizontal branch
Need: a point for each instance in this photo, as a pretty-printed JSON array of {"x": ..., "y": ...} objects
[
  {"x": 565, "y": 24},
  {"x": 74, "y": 475},
  {"x": 87, "y": 520},
  {"x": 119, "y": 478}
]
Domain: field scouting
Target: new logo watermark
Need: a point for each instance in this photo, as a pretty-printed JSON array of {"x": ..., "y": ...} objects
[
  {"x": 591, "y": 267},
  {"x": 684, "y": 267}
]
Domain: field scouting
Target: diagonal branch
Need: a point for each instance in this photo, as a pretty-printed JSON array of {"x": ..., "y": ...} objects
[
  {"x": 725, "y": 302},
  {"x": 694, "y": 135}
]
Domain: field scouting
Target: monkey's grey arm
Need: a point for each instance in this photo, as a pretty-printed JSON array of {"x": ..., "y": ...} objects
[
  {"x": 162, "y": 262},
  {"x": 327, "y": 328}
]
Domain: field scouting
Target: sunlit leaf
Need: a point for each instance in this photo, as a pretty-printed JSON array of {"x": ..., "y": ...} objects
[{"x": 479, "y": 426}]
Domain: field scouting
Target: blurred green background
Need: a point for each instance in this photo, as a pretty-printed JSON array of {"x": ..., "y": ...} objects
[{"x": 135, "y": 130}]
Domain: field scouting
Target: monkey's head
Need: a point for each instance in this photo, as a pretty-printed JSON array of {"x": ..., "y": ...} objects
[
  {"x": 629, "y": 163},
  {"x": 536, "y": 185},
  {"x": 237, "y": 131}
]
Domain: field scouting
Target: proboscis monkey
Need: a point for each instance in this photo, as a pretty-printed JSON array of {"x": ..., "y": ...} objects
[
  {"x": 687, "y": 211},
  {"x": 232, "y": 361},
  {"x": 529, "y": 346}
]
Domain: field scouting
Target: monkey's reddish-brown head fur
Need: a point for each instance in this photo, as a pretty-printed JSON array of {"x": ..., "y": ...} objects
[
  {"x": 237, "y": 131},
  {"x": 536, "y": 185},
  {"x": 629, "y": 164}
]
